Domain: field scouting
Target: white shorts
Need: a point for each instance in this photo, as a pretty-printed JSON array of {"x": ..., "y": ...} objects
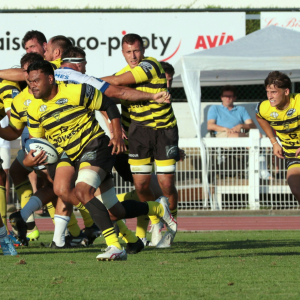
[{"x": 5, "y": 156}]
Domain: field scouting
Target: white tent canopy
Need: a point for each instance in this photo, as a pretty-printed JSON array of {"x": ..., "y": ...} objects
[{"x": 247, "y": 60}]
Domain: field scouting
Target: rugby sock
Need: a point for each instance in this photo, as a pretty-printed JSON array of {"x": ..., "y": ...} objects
[
  {"x": 87, "y": 219},
  {"x": 154, "y": 220},
  {"x": 51, "y": 210},
  {"x": 155, "y": 209},
  {"x": 174, "y": 213},
  {"x": 24, "y": 192},
  {"x": 101, "y": 218},
  {"x": 73, "y": 226},
  {"x": 3, "y": 233},
  {"x": 128, "y": 196},
  {"x": 32, "y": 205},
  {"x": 126, "y": 234},
  {"x": 3, "y": 205},
  {"x": 61, "y": 223},
  {"x": 141, "y": 226}
]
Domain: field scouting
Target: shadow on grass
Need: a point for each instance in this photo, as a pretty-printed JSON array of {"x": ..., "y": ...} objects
[
  {"x": 46, "y": 250},
  {"x": 192, "y": 247},
  {"x": 249, "y": 255}
]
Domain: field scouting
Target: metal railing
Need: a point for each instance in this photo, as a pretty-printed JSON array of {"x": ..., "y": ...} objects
[{"x": 242, "y": 174}]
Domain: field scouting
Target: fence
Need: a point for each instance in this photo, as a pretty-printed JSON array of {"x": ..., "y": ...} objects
[{"x": 242, "y": 174}]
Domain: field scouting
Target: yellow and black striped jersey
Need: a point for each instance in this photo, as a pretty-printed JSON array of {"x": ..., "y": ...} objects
[
  {"x": 8, "y": 90},
  {"x": 56, "y": 63},
  {"x": 151, "y": 78},
  {"x": 19, "y": 107},
  {"x": 285, "y": 122},
  {"x": 68, "y": 120}
]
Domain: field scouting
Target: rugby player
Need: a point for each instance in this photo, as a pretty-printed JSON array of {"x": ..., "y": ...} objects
[
  {"x": 63, "y": 114},
  {"x": 72, "y": 70},
  {"x": 35, "y": 41},
  {"x": 73, "y": 65},
  {"x": 123, "y": 169},
  {"x": 8, "y": 90},
  {"x": 279, "y": 118},
  {"x": 153, "y": 127},
  {"x": 20, "y": 172}
]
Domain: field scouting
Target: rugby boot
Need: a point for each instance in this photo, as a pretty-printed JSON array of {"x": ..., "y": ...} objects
[
  {"x": 20, "y": 226},
  {"x": 67, "y": 245},
  {"x": 134, "y": 248},
  {"x": 92, "y": 233},
  {"x": 34, "y": 234},
  {"x": 8, "y": 247},
  {"x": 167, "y": 218},
  {"x": 112, "y": 253},
  {"x": 77, "y": 241}
]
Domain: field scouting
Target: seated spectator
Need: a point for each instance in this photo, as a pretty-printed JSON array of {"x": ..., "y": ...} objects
[{"x": 228, "y": 120}]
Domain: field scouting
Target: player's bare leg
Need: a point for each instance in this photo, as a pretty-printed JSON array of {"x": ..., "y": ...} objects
[{"x": 142, "y": 187}]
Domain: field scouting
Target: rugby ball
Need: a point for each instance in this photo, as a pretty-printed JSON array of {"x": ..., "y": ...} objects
[{"x": 42, "y": 145}]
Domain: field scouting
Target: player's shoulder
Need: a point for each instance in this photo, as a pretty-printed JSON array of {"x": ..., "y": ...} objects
[
  {"x": 262, "y": 106},
  {"x": 74, "y": 92},
  {"x": 295, "y": 96},
  {"x": 56, "y": 63},
  {"x": 9, "y": 84},
  {"x": 150, "y": 59},
  {"x": 150, "y": 62},
  {"x": 23, "y": 96},
  {"x": 70, "y": 88}
]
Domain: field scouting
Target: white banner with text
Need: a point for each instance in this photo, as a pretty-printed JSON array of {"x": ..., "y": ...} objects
[
  {"x": 167, "y": 36},
  {"x": 289, "y": 20}
]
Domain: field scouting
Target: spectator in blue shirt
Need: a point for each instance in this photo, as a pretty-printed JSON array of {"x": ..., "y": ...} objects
[{"x": 228, "y": 120}]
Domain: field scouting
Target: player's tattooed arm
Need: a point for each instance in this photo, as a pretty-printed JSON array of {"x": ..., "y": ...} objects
[
  {"x": 129, "y": 94},
  {"x": 12, "y": 74}
]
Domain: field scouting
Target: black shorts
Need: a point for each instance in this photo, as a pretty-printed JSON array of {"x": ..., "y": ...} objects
[
  {"x": 292, "y": 162},
  {"x": 147, "y": 144},
  {"x": 96, "y": 153},
  {"x": 123, "y": 167}
]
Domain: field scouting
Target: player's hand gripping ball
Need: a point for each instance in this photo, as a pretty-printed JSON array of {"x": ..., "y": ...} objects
[{"x": 42, "y": 145}]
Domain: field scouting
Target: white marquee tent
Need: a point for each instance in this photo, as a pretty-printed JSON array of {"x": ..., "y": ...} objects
[{"x": 247, "y": 60}]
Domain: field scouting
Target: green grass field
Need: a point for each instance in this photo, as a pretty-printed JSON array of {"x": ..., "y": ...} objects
[{"x": 210, "y": 265}]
